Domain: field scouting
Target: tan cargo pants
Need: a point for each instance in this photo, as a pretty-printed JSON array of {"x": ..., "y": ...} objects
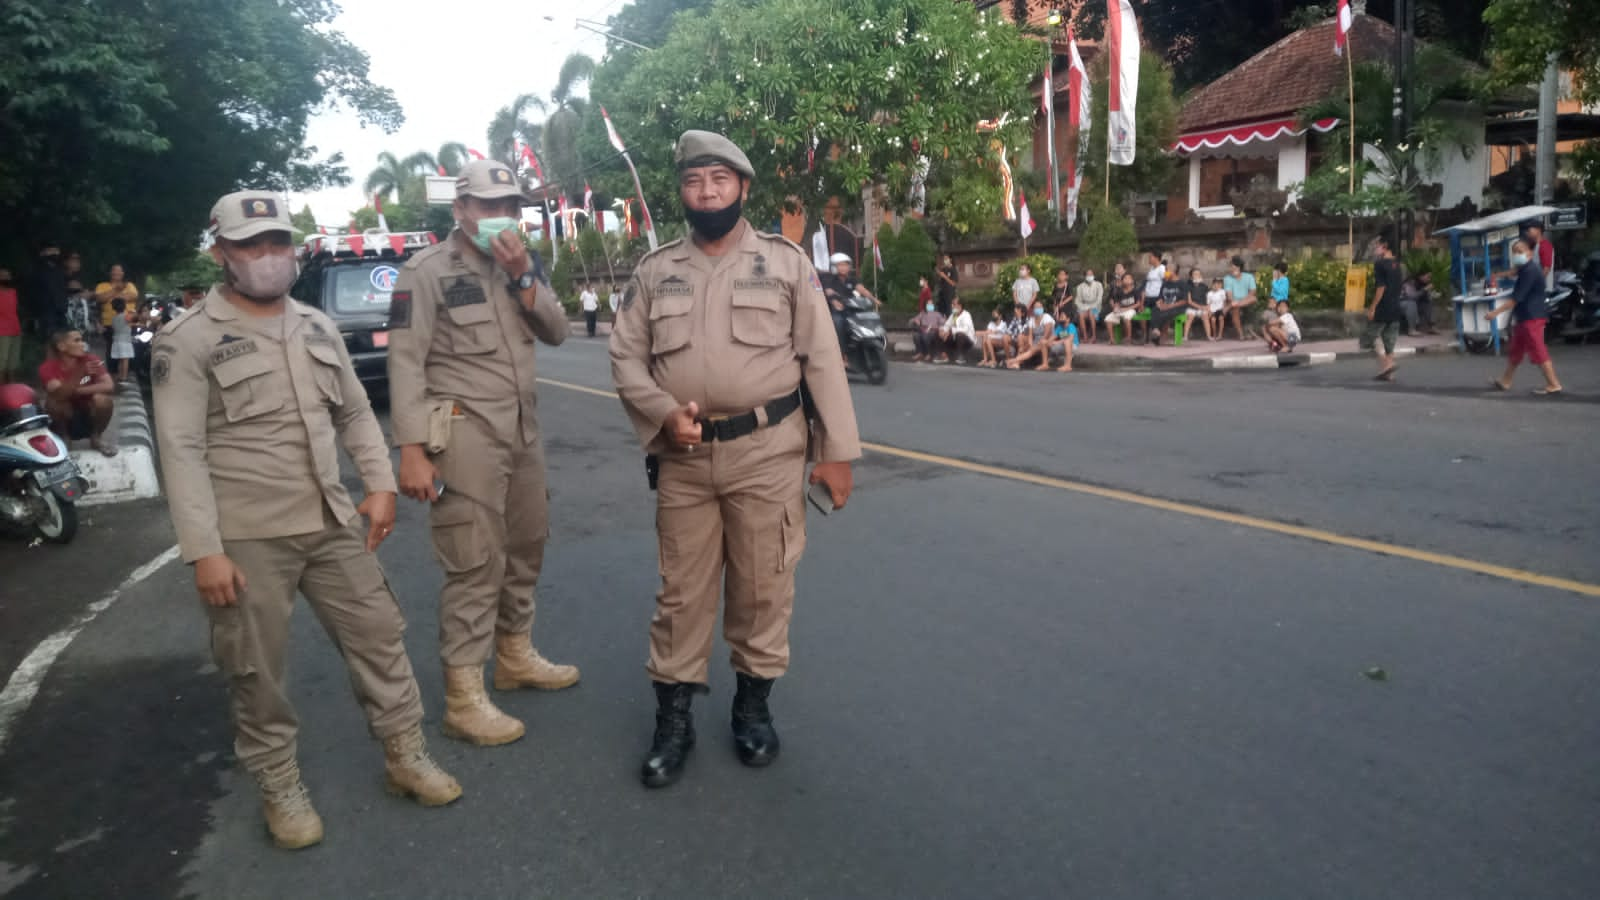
[
  {"x": 350, "y": 597},
  {"x": 729, "y": 515},
  {"x": 489, "y": 532}
]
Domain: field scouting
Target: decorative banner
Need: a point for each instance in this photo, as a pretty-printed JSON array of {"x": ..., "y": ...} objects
[
  {"x": 397, "y": 243},
  {"x": 1341, "y": 34},
  {"x": 474, "y": 154},
  {"x": 644, "y": 208},
  {"x": 1025, "y": 220},
  {"x": 1008, "y": 187},
  {"x": 877, "y": 256},
  {"x": 1122, "y": 40},
  {"x": 358, "y": 245},
  {"x": 1080, "y": 120},
  {"x": 1047, "y": 99},
  {"x": 377, "y": 206},
  {"x": 819, "y": 250}
]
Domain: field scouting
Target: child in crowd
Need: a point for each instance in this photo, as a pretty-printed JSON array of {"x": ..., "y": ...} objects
[
  {"x": 1216, "y": 310},
  {"x": 1283, "y": 332},
  {"x": 995, "y": 339},
  {"x": 1062, "y": 343},
  {"x": 1195, "y": 304},
  {"x": 121, "y": 338}
]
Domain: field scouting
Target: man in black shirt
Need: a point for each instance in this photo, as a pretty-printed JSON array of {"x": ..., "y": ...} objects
[
  {"x": 1529, "y": 311},
  {"x": 1384, "y": 315},
  {"x": 948, "y": 276}
]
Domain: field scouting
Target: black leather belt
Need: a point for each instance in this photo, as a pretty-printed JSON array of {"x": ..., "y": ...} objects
[{"x": 731, "y": 428}]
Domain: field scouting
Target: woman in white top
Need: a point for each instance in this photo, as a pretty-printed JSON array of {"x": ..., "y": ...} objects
[
  {"x": 958, "y": 334},
  {"x": 121, "y": 338}
]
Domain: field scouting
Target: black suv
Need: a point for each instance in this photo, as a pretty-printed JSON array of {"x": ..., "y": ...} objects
[{"x": 349, "y": 277}]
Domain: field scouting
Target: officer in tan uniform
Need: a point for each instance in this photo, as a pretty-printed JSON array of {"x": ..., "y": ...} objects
[
  {"x": 463, "y": 322},
  {"x": 712, "y": 342},
  {"x": 251, "y": 391}
]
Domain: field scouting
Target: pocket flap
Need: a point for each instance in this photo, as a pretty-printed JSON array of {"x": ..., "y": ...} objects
[
  {"x": 240, "y": 368},
  {"x": 667, "y": 307},
  {"x": 471, "y": 314},
  {"x": 325, "y": 354},
  {"x": 756, "y": 300},
  {"x": 444, "y": 514}
]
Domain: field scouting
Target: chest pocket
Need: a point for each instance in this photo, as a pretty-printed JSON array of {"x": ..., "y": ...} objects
[
  {"x": 326, "y": 367},
  {"x": 759, "y": 318},
  {"x": 246, "y": 390},
  {"x": 473, "y": 329},
  {"x": 671, "y": 328}
]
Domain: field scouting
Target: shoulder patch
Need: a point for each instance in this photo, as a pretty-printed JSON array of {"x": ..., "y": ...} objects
[
  {"x": 160, "y": 368},
  {"x": 400, "y": 309},
  {"x": 628, "y": 295}
]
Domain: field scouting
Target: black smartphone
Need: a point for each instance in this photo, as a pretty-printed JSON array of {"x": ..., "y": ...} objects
[{"x": 821, "y": 497}]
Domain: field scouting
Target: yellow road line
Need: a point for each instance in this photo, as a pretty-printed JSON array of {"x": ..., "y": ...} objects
[{"x": 1443, "y": 560}]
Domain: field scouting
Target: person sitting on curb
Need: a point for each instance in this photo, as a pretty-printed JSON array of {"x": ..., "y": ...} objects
[
  {"x": 1416, "y": 302},
  {"x": 995, "y": 340},
  {"x": 1088, "y": 299},
  {"x": 1216, "y": 310},
  {"x": 1062, "y": 342},
  {"x": 925, "y": 332},
  {"x": 1061, "y": 297},
  {"x": 1283, "y": 332},
  {"x": 1126, "y": 301},
  {"x": 957, "y": 335},
  {"x": 1241, "y": 288},
  {"x": 78, "y": 391},
  {"x": 1036, "y": 339},
  {"x": 1172, "y": 303}
]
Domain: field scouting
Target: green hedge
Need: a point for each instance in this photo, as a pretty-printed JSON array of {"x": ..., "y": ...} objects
[{"x": 1044, "y": 269}]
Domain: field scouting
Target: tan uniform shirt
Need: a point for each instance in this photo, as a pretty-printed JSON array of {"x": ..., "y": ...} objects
[
  {"x": 730, "y": 333},
  {"x": 459, "y": 334},
  {"x": 246, "y": 413}
]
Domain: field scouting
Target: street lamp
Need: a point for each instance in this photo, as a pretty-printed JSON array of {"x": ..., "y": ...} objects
[{"x": 600, "y": 29}]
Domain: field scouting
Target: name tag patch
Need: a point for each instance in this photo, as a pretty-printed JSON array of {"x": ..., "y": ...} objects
[
  {"x": 673, "y": 286},
  {"x": 233, "y": 350},
  {"x": 757, "y": 284},
  {"x": 462, "y": 290}
]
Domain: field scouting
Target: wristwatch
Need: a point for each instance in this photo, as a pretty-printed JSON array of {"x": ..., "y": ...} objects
[{"x": 523, "y": 283}]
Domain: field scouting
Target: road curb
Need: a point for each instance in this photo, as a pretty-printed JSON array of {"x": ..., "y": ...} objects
[{"x": 131, "y": 474}]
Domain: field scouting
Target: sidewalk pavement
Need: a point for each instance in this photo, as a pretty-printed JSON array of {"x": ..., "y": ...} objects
[
  {"x": 131, "y": 474},
  {"x": 1201, "y": 354}
]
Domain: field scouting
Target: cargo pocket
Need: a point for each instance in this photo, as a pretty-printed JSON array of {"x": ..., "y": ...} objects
[
  {"x": 229, "y": 643},
  {"x": 757, "y": 319},
  {"x": 794, "y": 537},
  {"x": 456, "y": 539},
  {"x": 670, "y": 327},
  {"x": 245, "y": 391},
  {"x": 474, "y": 330},
  {"x": 326, "y": 370}
]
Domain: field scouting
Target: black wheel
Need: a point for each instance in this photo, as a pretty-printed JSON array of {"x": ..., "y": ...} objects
[
  {"x": 1476, "y": 344},
  {"x": 874, "y": 364},
  {"x": 59, "y": 521}
]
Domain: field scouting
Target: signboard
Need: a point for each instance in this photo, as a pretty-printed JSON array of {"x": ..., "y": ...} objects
[
  {"x": 1569, "y": 217},
  {"x": 440, "y": 190}
]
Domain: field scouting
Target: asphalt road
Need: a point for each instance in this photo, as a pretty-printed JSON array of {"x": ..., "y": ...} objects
[{"x": 1001, "y": 688}]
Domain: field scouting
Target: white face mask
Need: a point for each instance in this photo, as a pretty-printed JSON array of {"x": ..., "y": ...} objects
[
  {"x": 1089, "y": 279},
  {"x": 263, "y": 279}
]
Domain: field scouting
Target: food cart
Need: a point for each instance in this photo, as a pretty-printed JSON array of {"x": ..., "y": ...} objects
[{"x": 1480, "y": 250}]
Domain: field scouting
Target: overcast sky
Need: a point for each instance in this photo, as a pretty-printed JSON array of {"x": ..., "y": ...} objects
[{"x": 451, "y": 65}]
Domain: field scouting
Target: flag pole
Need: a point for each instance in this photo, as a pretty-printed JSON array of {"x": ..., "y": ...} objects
[{"x": 1350, "y": 79}]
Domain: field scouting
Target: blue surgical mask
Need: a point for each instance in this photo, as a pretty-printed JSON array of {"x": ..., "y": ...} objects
[
  {"x": 1519, "y": 259},
  {"x": 1037, "y": 312},
  {"x": 928, "y": 307},
  {"x": 490, "y": 228}
]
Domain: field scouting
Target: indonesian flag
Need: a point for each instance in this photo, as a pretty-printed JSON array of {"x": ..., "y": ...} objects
[
  {"x": 1080, "y": 121},
  {"x": 1122, "y": 45},
  {"x": 442, "y": 171},
  {"x": 532, "y": 159},
  {"x": 1025, "y": 217},
  {"x": 877, "y": 257},
  {"x": 474, "y": 154},
  {"x": 1341, "y": 35},
  {"x": 611, "y": 132},
  {"x": 377, "y": 206}
]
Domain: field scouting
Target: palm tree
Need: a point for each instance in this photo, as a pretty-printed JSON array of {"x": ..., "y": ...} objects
[
  {"x": 451, "y": 157},
  {"x": 391, "y": 173},
  {"x": 562, "y": 126},
  {"x": 513, "y": 123}
]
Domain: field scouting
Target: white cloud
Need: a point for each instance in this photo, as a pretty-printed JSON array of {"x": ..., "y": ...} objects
[{"x": 451, "y": 66}]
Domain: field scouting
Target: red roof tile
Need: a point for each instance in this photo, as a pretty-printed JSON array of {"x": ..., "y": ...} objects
[{"x": 1286, "y": 77}]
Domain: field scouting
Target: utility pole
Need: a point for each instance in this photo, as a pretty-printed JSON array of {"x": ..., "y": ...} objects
[
  {"x": 1405, "y": 24},
  {"x": 1544, "y": 188}
]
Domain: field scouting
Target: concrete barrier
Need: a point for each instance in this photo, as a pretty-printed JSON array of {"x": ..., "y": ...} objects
[{"x": 131, "y": 474}]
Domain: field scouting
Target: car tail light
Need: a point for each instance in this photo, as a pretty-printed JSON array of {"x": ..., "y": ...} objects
[{"x": 45, "y": 444}]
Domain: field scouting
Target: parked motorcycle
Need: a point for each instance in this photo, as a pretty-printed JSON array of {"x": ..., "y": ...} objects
[
  {"x": 143, "y": 336},
  {"x": 40, "y": 485},
  {"x": 1575, "y": 307},
  {"x": 866, "y": 346}
]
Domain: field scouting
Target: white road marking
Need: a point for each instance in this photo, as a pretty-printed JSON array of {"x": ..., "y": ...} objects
[{"x": 24, "y": 683}]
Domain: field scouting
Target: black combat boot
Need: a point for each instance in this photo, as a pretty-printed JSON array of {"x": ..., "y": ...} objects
[
  {"x": 753, "y": 734},
  {"x": 674, "y": 736}
]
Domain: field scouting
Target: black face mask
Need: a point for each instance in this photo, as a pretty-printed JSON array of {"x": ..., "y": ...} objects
[{"x": 713, "y": 225}]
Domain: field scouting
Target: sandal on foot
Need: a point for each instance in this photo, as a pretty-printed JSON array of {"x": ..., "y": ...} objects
[
  {"x": 1499, "y": 385},
  {"x": 1546, "y": 392}
]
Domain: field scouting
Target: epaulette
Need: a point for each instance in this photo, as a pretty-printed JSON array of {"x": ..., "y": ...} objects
[
  {"x": 426, "y": 253},
  {"x": 769, "y": 236},
  {"x": 661, "y": 249},
  {"x": 171, "y": 329}
]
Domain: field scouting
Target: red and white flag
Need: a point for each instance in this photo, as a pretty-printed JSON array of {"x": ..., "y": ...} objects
[
  {"x": 377, "y": 206},
  {"x": 644, "y": 208},
  {"x": 1341, "y": 34},
  {"x": 1079, "y": 102},
  {"x": 532, "y": 159},
  {"x": 1024, "y": 218},
  {"x": 877, "y": 257},
  {"x": 474, "y": 154},
  {"x": 1122, "y": 47},
  {"x": 611, "y": 132},
  {"x": 588, "y": 199}
]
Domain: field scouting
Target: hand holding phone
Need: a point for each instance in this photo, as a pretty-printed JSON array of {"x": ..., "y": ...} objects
[{"x": 821, "y": 497}]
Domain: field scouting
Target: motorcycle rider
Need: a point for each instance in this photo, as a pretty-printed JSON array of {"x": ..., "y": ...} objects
[{"x": 838, "y": 288}]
